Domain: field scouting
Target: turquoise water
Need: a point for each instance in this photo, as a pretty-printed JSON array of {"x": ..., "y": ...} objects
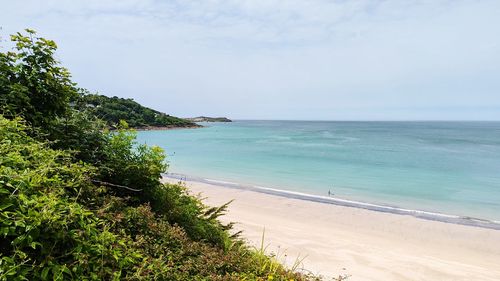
[{"x": 447, "y": 167}]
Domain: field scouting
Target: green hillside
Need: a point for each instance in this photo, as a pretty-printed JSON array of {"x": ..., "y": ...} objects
[{"x": 114, "y": 109}]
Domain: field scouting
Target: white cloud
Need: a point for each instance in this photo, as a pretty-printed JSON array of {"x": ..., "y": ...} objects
[{"x": 274, "y": 59}]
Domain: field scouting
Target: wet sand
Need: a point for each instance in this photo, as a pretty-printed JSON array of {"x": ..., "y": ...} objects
[{"x": 367, "y": 245}]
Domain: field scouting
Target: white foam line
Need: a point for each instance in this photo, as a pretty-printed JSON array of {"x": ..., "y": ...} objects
[
  {"x": 348, "y": 203},
  {"x": 222, "y": 182},
  {"x": 340, "y": 200}
]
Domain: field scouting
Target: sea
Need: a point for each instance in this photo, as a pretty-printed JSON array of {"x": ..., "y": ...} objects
[{"x": 442, "y": 168}]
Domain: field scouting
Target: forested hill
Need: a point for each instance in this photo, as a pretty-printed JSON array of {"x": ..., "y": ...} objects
[{"x": 114, "y": 109}]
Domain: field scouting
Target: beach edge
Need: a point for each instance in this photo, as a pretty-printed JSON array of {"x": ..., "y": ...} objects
[{"x": 420, "y": 214}]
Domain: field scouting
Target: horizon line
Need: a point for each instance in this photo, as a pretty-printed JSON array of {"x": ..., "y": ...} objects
[{"x": 361, "y": 120}]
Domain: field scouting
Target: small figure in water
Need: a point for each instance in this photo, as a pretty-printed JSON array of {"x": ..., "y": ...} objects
[{"x": 329, "y": 193}]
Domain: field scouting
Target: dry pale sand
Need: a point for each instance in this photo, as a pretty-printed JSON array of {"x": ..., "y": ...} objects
[{"x": 367, "y": 245}]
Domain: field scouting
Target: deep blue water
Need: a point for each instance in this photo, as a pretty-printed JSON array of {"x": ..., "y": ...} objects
[{"x": 448, "y": 167}]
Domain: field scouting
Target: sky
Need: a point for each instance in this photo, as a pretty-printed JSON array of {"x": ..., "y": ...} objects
[{"x": 269, "y": 59}]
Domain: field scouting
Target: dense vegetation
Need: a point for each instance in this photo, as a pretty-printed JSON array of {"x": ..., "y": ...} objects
[
  {"x": 114, "y": 109},
  {"x": 78, "y": 202}
]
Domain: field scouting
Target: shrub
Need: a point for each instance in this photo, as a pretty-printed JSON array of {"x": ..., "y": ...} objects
[
  {"x": 80, "y": 203},
  {"x": 55, "y": 224},
  {"x": 33, "y": 84}
]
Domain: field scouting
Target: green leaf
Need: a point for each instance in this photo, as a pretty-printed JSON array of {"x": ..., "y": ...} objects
[
  {"x": 4, "y": 191},
  {"x": 5, "y": 205},
  {"x": 45, "y": 273}
]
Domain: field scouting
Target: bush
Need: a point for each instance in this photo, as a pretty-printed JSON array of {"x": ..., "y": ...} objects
[
  {"x": 55, "y": 224},
  {"x": 78, "y": 202},
  {"x": 45, "y": 230},
  {"x": 33, "y": 84}
]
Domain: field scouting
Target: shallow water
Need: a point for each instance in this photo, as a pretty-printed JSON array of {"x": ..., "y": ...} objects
[{"x": 447, "y": 167}]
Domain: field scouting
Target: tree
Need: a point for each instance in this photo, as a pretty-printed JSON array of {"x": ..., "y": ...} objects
[{"x": 32, "y": 83}]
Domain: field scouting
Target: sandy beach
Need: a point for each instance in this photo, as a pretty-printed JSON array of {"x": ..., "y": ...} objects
[{"x": 367, "y": 245}]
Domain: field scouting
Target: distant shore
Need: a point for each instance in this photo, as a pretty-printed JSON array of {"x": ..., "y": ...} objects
[
  {"x": 366, "y": 244},
  {"x": 209, "y": 119},
  {"x": 153, "y": 128}
]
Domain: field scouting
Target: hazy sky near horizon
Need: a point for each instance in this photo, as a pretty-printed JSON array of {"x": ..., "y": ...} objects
[{"x": 268, "y": 59}]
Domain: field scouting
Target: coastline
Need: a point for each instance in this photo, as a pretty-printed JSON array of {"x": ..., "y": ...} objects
[
  {"x": 166, "y": 128},
  {"x": 364, "y": 243},
  {"x": 153, "y": 128},
  {"x": 421, "y": 214}
]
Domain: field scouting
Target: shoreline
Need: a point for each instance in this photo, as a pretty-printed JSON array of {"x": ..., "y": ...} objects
[
  {"x": 166, "y": 128},
  {"x": 421, "y": 214},
  {"x": 342, "y": 240}
]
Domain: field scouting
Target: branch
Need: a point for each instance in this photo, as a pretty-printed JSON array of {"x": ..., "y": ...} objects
[{"x": 116, "y": 185}]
